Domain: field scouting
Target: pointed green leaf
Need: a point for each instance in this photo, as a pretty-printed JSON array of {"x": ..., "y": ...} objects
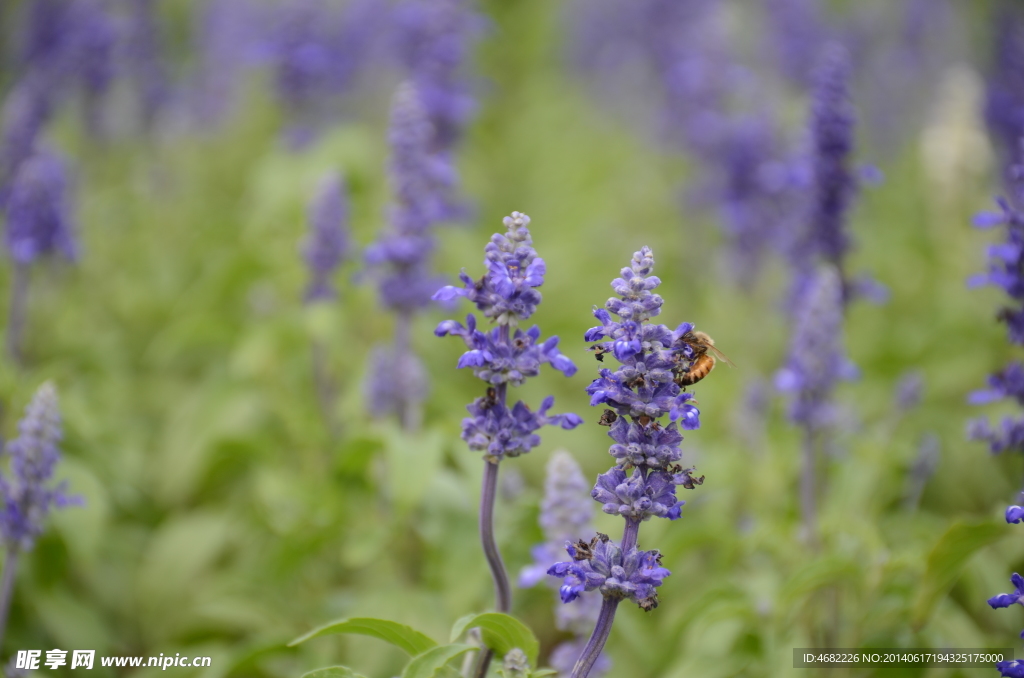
[
  {"x": 947, "y": 560},
  {"x": 432, "y": 662},
  {"x": 411, "y": 641},
  {"x": 333, "y": 672},
  {"x": 501, "y": 633}
]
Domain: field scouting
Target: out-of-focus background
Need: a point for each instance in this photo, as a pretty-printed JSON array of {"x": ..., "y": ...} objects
[{"x": 223, "y": 517}]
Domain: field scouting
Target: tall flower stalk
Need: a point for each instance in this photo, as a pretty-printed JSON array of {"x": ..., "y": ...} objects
[
  {"x": 504, "y": 355},
  {"x": 819, "y": 289},
  {"x": 400, "y": 259},
  {"x": 26, "y": 493},
  {"x": 325, "y": 248},
  {"x": 639, "y": 393}
]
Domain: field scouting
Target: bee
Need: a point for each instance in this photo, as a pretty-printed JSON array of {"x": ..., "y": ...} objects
[
  {"x": 599, "y": 352},
  {"x": 490, "y": 400},
  {"x": 585, "y": 551},
  {"x": 607, "y": 418},
  {"x": 705, "y": 355}
]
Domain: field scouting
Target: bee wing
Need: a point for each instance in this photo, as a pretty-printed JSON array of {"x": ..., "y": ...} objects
[{"x": 721, "y": 356}]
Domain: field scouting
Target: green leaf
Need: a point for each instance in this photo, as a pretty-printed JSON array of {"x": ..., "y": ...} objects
[
  {"x": 333, "y": 672},
  {"x": 432, "y": 662},
  {"x": 501, "y": 633},
  {"x": 947, "y": 560},
  {"x": 411, "y": 641},
  {"x": 460, "y": 626},
  {"x": 543, "y": 672}
]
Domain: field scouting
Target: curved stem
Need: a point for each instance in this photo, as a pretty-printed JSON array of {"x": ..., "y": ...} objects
[
  {"x": 502, "y": 590},
  {"x": 7, "y": 590},
  {"x": 598, "y": 638}
]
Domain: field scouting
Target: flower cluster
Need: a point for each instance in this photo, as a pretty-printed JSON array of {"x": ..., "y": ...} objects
[
  {"x": 642, "y": 389},
  {"x": 501, "y": 432},
  {"x": 327, "y": 243},
  {"x": 26, "y": 495},
  {"x": 501, "y": 357},
  {"x": 508, "y": 292},
  {"x": 498, "y": 359},
  {"x": 634, "y": 574},
  {"x": 1008, "y": 599}
]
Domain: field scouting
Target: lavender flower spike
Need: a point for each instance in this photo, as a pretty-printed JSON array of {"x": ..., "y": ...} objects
[
  {"x": 27, "y": 494},
  {"x": 400, "y": 259},
  {"x": 39, "y": 223},
  {"x": 640, "y": 392},
  {"x": 327, "y": 243},
  {"x": 817, "y": 362},
  {"x": 506, "y": 294}
]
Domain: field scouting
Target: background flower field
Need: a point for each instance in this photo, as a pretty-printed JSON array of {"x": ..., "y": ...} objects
[{"x": 222, "y": 517}]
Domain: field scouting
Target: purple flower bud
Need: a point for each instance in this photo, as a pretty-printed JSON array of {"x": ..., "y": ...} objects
[
  {"x": 327, "y": 243},
  {"x": 1014, "y": 514},
  {"x": 39, "y": 218}
]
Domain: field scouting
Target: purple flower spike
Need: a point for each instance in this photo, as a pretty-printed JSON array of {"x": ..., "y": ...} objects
[
  {"x": 26, "y": 493},
  {"x": 401, "y": 257},
  {"x": 39, "y": 218},
  {"x": 434, "y": 39},
  {"x": 832, "y": 130},
  {"x": 817, "y": 361},
  {"x": 327, "y": 243}
]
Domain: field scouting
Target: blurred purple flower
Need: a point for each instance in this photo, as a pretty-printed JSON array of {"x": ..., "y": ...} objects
[
  {"x": 434, "y": 38},
  {"x": 146, "y": 62},
  {"x": 401, "y": 256},
  {"x": 27, "y": 494},
  {"x": 327, "y": 243},
  {"x": 26, "y": 110},
  {"x": 817, "y": 361},
  {"x": 1004, "y": 105},
  {"x": 39, "y": 216},
  {"x": 797, "y": 33}
]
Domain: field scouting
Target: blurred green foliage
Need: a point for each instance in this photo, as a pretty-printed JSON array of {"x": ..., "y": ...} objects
[{"x": 221, "y": 518}]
